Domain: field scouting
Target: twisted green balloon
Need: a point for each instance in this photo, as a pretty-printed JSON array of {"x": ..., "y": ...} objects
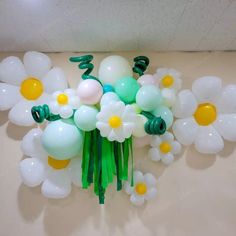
[
  {"x": 154, "y": 125},
  {"x": 140, "y": 65},
  {"x": 85, "y": 63},
  {"x": 41, "y": 113}
]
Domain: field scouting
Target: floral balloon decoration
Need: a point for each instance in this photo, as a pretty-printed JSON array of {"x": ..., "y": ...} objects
[
  {"x": 90, "y": 131},
  {"x": 28, "y": 84}
]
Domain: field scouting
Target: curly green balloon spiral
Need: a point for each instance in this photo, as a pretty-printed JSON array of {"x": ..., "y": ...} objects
[
  {"x": 140, "y": 65},
  {"x": 85, "y": 63},
  {"x": 154, "y": 125},
  {"x": 40, "y": 113}
]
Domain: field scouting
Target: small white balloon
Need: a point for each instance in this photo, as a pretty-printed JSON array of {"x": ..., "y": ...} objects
[
  {"x": 12, "y": 70},
  {"x": 20, "y": 114},
  {"x": 54, "y": 80},
  {"x": 36, "y": 63},
  {"x": 139, "y": 130},
  {"x": 31, "y": 143},
  {"x": 57, "y": 185},
  {"x": 113, "y": 68},
  {"x": 32, "y": 171},
  {"x": 109, "y": 98},
  {"x": 9, "y": 96},
  {"x": 66, "y": 112},
  {"x": 168, "y": 97}
]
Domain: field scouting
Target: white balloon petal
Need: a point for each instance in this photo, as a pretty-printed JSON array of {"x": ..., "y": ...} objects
[
  {"x": 227, "y": 101},
  {"x": 109, "y": 98},
  {"x": 75, "y": 171},
  {"x": 57, "y": 185},
  {"x": 32, "y": 171},
  {"x": 20, "y": 114},
  {"x": 185, "y": 104},
  {"x": 154, "y": 154},
  {"x": 185, "y": 130},
  {"x": 208, "y": 140},
  {"x": 12, "y": 70},
  {"x": 168, "y": 97},
  {"x": 9, "y": 96},
  {"x": 31, "y": 143},
  {"x": 37, "y": 64},
  {"x": 43, "y": 99},
  {"x": 137, "y": 200},
  {"x": 150, "y": 179},
  {"x": 128, "y": 189},
  {"x": 151, "y": 193},
  {"x": 207, "y": 88},
  {"x": 54, "y": 80},
  {"x": 139, "y": 130},
  {"x": 168, "y": 158},
  {"x": 226, "y": 126},
  {"x": 66, "y": 112},
  {"x": 176, "y": 147},
  {"x": 138, "y": 176}
]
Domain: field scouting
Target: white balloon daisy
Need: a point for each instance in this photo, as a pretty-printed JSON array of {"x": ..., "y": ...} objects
[
  {"x": 116, "y": 121},
  {"x": 144, "y": 188},
  {"x": 28, "y": 84},
  {"x": 207, "y": 114},
  {"x": 169, "y": 82},
  {"x": 63, "y": 103},
  {"x": 38, "y": 168},
  {"x": 164, "y": 147}
]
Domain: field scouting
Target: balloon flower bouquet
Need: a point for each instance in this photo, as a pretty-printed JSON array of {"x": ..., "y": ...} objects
[{"x": 87, "y": 135}]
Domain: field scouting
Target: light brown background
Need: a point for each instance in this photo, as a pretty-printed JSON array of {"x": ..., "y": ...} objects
[{"x": 197, "y": 193}]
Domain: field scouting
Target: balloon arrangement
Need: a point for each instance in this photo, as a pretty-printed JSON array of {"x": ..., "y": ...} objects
[{"x": 88, "y": 138}]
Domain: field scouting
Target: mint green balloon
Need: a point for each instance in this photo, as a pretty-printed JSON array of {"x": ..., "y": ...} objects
[
  {"x": 126, "y": 88},
  {"x": 85, "y": 118},
  {"x": 165, "y": 113},
  {"x": 148, "y": 97},
  {"x": 62, "y": 139}
]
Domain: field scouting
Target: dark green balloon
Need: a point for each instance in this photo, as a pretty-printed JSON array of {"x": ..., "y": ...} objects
[{"x": 126, "y": 88}]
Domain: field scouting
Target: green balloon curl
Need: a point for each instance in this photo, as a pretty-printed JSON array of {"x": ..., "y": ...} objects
[
  {"x": 154, "y": 125},
  {"x": 85, "y": 63},
  {"x": 140, "y": 64},
  {"x": 41, "y": 113}
]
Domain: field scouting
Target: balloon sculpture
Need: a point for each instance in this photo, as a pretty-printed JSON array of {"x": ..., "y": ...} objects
[{"x": 88, "y": 138}]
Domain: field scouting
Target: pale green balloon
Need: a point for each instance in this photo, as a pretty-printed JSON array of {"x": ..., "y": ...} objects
[
  {"x": 126, "y": 88},
  {"x": 85, "y": 118},
  {"x": 62, "y": 139},
  {"x": 148, "y": 98},
  {"x": 165, "y": 113}
]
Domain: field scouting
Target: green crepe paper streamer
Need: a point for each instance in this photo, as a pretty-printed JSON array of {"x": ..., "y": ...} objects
[
  {"x": 91, "y": 158},
  {"x": 118, "y": 177},
  {"x": 101, "y": 190},
  {"x": 125, "y": 149},
  {"x": 85, "y": 160},
  {"x": 130, "y": 143}
]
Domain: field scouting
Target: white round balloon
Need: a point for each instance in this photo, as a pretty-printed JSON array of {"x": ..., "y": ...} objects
[{"x": 113, "y": 68}]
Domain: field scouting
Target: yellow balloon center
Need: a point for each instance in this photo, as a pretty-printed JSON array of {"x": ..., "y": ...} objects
[
  {"x": 167, "y": 81},
  {"x": 205, "y": 114},
  {"x": 31, "y": 88},
  {"x": 165, "y": 147},
  {"x": 115, "y": 121},
  {"x": 140, "y": 188},
  {"x": 57, "y": 164},
  {"x": 62, "y": 99}
]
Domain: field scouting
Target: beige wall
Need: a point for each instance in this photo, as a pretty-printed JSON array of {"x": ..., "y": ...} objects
[{"x": 197, "y": 193}]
